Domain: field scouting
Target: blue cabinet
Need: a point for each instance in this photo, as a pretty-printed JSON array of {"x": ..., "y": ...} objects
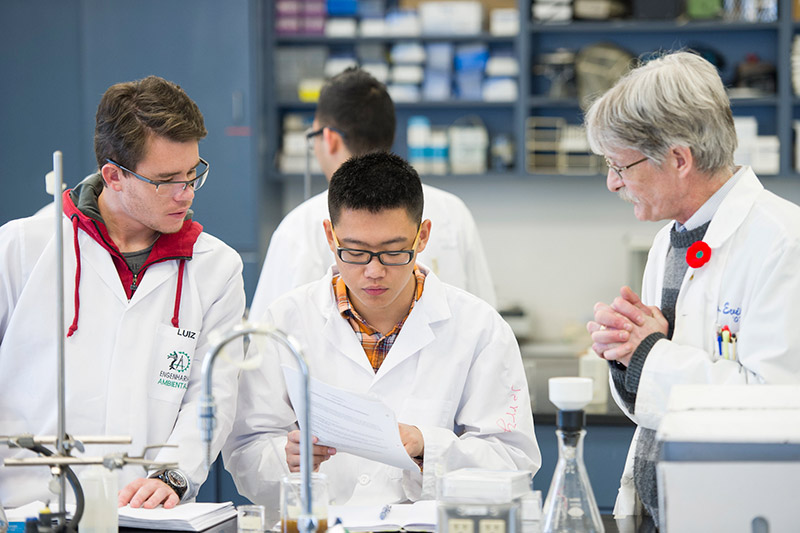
[{"x": 59, "y": 58}]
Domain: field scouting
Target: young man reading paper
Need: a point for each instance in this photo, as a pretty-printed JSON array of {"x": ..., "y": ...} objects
[{"x": 380, "y": 323}]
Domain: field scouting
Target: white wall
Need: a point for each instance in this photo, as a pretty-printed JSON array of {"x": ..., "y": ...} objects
[{"x": 555, "y": 246}]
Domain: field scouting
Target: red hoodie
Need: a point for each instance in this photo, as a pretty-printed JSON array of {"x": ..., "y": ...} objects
[{"x": 80, "y": 205}]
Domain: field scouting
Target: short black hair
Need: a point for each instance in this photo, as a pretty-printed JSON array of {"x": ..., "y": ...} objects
[
  {"x": 375, "y": 181},
  {"x": 358, "y": 105}
]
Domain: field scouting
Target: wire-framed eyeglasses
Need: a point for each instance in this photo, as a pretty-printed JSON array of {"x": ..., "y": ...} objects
[
  {"x": 170, "y": 188},
  {"x": 364, "y": 257},
  {"x": 619, "y": 170}
]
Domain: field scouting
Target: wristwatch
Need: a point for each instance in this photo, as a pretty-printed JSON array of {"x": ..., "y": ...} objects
[{"x": 174, "y": 478}]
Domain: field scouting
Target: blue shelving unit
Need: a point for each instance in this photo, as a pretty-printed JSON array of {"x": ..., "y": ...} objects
[{"x": 733, "y": 40}]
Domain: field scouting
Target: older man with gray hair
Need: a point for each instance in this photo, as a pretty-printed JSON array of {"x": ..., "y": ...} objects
[{"x": 721, "y": 285}]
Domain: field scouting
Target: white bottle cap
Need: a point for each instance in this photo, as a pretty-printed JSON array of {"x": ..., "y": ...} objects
[{"x": 570, "y": 393}]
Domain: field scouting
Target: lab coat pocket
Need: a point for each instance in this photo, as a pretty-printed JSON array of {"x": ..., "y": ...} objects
[
  {"x": 170, "y": 363},
  {"x": 433, "y": 412}
]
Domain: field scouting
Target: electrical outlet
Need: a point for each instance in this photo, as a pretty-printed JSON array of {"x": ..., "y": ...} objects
[
  {"x": 492, "y": 525},
  {"x": 460, "y": 525}
]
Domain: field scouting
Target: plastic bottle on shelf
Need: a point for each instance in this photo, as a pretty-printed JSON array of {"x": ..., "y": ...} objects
[{"x": 570, "y": 505}]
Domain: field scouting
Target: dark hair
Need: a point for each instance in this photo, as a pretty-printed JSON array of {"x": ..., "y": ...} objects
[
  {"x": 358, "y": 105},
  {"x": 375, "y": 181},
  {"x": 130, "y": 111}
]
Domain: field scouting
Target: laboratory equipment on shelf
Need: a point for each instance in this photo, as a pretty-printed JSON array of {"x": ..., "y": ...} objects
[
  {"x": 61, "y": 461},
  {"x": 570, "y": 505},
  {"x": 306, "y": 522}
]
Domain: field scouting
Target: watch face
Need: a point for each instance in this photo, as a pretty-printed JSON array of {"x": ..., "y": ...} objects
[{"x": 176, "y": 478}]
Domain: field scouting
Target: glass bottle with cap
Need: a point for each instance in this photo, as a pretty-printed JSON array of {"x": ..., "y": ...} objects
[{"x": 570, "y": 505}]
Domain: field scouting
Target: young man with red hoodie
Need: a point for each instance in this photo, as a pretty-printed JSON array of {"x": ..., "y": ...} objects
[{"x": 144, "y": 286}]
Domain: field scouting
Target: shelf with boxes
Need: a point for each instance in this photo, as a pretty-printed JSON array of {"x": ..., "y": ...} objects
[
  {"x": 647, "y": 26},
  {"x": 550, "y": 57},
  {"x": 454, "y": 64},
  {"x": 483, "y": 37},
  {"x": 574, "y": 59}
]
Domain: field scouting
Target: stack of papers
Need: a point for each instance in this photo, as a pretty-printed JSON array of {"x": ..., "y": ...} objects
[
  {"x": 184, "y": 517},
  {"x": 418, "y": 516}
]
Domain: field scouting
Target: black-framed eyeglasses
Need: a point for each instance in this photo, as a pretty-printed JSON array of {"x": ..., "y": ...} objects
[
  {"x": 170, "y": 188},
  {"x": 311, "y": 133},
  {"x": 364, "y": 257},
  {"x": 619, "y": 170}
]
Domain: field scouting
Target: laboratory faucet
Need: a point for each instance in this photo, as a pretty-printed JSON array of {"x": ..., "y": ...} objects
[{"x": 306, "y": 522}]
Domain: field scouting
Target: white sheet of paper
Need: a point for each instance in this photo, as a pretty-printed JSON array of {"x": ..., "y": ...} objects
[
  {"x": 419, "y": 516},
  {"x": 350, "y": 422}
]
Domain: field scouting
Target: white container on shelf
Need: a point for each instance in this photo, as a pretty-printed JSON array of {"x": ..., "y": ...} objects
[
  {"x": 590, "y": 365},
  {"x": 451, "y": 18},
  {"x": 340, "y": 27},
  {"x": 418, "y": 140},
  {"x": 766, "y": 159},
  {"x": 504, "y": 22}
]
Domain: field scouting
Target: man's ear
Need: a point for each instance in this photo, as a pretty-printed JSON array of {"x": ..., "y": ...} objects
[
  {"x": 683, "y": 160},
  {"x": 333, "y": 141},
  {"x": 112, "y": 176},
  {"x": 424, "y": 235},
  {"x": 328, "y": 227}
]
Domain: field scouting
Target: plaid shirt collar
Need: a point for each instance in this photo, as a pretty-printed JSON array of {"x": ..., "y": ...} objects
[{"x": 375, "y": 345}]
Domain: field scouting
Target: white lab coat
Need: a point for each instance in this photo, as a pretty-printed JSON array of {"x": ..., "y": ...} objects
[
  {"x": 118, "y": 354},
  {"x": 454, "y": 371},
  {"x": 298, "y": 251},
  {"x": 751, "y": 284}
]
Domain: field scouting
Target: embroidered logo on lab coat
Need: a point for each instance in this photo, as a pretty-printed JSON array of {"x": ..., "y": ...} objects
[{"x": 176, "y": 375}]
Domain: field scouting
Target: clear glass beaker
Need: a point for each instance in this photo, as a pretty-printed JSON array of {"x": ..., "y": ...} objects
[
  {"x": 250, "y": 519},
  {"x": 291, "y": 503}
]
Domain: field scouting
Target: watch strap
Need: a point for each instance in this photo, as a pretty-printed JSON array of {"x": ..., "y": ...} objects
[{"x": 162, "y": 476}]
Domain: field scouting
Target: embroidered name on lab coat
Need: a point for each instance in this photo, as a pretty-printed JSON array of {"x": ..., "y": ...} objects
[
  {"x": 728, "y": 309},
  {"x": 186, "y": 333}
]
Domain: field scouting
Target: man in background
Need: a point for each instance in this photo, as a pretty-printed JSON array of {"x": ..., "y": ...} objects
[{"x": 355, "y": 115}]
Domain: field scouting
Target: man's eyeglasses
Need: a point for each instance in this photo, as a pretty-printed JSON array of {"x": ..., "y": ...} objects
[
  {"x": 364, "y": 257},
  {"x": 619, "y": 170},
  {"x": 311, "y": 133},
  {"x": 170, "y": 188}
]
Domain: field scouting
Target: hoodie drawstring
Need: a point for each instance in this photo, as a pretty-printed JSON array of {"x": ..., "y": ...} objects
[
  {"x": 178, "y": 293},
  {"x": 74, "y": 327}
]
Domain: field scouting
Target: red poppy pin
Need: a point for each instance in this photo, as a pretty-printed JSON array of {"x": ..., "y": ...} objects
[{"x": 698, "y": 254}]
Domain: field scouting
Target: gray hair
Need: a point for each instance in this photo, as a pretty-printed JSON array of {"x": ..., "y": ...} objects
[{"x": 675, "y": 100}]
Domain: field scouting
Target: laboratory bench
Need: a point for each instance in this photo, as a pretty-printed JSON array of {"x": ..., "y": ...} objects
[
  {"x": 229, "y": 526},
  {"x": 605, "y": 448}
]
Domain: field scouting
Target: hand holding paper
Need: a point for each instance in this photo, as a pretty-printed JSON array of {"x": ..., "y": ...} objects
[
  {"x": 319, "y": 453},
  {"x": 351, "y": 422}
]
